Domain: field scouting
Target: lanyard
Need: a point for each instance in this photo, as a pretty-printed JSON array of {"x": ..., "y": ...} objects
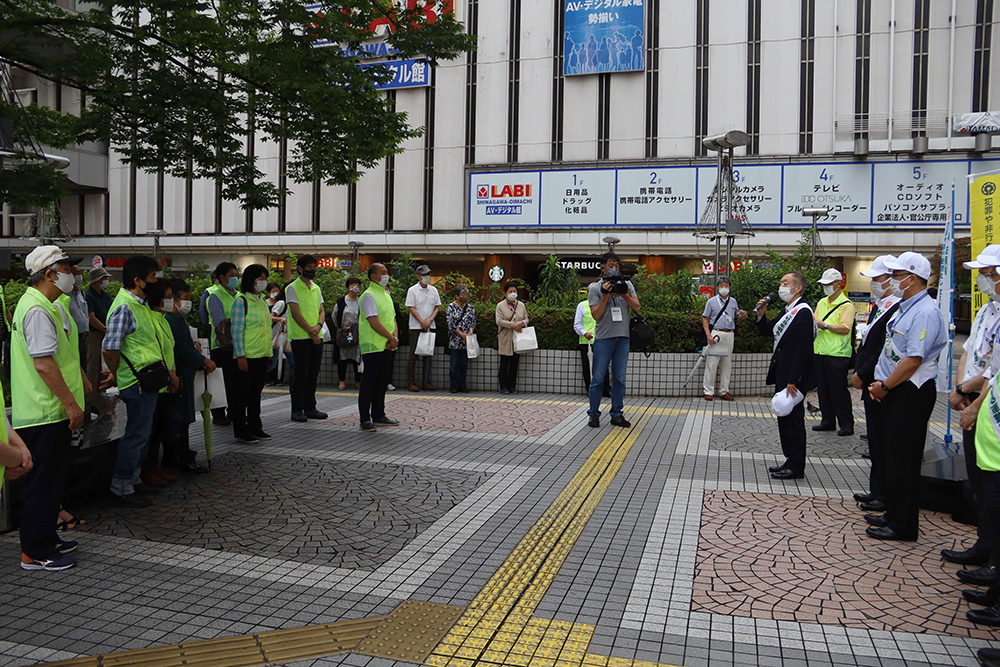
[{"x": 891, "y": 325}]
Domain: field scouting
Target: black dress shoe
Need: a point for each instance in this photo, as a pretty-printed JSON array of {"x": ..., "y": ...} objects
[
  {"x": 877, "y": 520},
  {"x": 787, "y": 474},
  {"x": 873, "y": 506},
  {"x": 131, "y": 500},
  {"x": 864, "y": 436},
  {"x": 886, "y": 533},
  {"x": 315, "y": 414},
  {"x": 989, "y": 657},
  {"x": 783, "y": 466},
  {"x": 222, "y": 421},
  {"x": 845, "y": 431},
  {"x": 864, "y": 497},
  {"x": 986, "y": 598},
  {"x": 988, "y": 616},
  {"x": 984, "y": 576},
  {"x": 866, "y": 455},
  {"x": 824, "y": 427},
  {"x": 620, "y": 421},
  {"x": 193, "y": 469},
  {"x": 594, "y": 421},
  {"x": 971, "y": 556},
  {"x": 145, "y": 490}
]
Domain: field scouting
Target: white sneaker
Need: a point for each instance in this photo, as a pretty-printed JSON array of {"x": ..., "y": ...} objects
[{"x": 391, "y": 387}]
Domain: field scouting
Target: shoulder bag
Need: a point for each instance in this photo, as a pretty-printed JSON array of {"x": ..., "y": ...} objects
[{"x": 703, "y": 340}]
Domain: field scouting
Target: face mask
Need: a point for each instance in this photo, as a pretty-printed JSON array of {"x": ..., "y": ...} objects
[
  {"x": 384, "y": 280},
  {"x": 260, "y": 285},
  {"x": 168, "y": 305},
  {"x": 275, "y": 294},
  {"x": 512, "y": 296},
  {"x": 104, "y": 284},
  {"x": 829, "y": 289},
  {"x": 986, "y": 286},
  {"x": 614, "y": 271},
  {"x": 308, "y": 274},
  {"x": 895, "y": 287},
  {"x": 723, "y": 292},
  {"x": 785, "y": 293},
  {"x": 355, "y": 289},
  {"x": 77, "y": 281},
  {"x": 878, "y": 290},
  {"x": 65, "y": 282},
  {"x": 233, "y": 283},
  {"x": 184, "y": 307},
  {"x": 425, "y": 280}
]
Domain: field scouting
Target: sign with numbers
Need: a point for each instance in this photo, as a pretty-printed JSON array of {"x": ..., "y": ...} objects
[
  {"x": 583, "y": 197},
  {"x": 845, "y": 189},
  {"x": 656, "y": 196},
  {"x": 757, "y": 186}
]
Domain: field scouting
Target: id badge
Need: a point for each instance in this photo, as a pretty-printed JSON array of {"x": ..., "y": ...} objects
[{"x": 616, "y": 314}]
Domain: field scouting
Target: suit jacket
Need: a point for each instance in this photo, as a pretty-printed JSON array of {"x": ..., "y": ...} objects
[
  {"x": 792, "y": 360},
  {"x": 869, "y": 351}
]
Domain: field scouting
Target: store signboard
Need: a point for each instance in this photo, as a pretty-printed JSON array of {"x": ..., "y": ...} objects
[
  {"x": 888, "y": 194},
  {"x": 980, "y": 122},
  {"x": 604, "y": 36},
  {"x": 414, "y": 73}
]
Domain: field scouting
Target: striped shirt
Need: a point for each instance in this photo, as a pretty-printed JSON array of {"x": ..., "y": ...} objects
[{"x": 121, "y": 323}]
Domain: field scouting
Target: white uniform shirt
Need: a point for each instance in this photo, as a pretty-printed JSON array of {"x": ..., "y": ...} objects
[
  {"x": 425, "y": 300},
  {"x": 979, "y": 345}
]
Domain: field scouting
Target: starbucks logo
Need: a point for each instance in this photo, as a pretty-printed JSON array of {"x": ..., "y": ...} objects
[{"x": 989, "y": 188}]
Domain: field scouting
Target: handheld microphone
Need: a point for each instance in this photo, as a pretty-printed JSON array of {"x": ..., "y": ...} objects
[{"x": 767, "y": 299}]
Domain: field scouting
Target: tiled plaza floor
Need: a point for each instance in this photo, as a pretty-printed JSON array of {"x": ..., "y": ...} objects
[{"x": 567, "y": 546}]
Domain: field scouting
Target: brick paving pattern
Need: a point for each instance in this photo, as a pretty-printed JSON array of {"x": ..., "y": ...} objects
[
  {"x": 808, "y": 560},
  {"x": 342, "y": 514},
  {"x": 756, "y": 435},
  {"x": 499, "y": 416}
]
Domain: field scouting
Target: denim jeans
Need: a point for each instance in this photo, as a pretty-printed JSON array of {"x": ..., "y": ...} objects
[
  {"x": 459, "y": 366},
  {"x": 612, "y": 351},
  {"x": 133, "y": 445}
]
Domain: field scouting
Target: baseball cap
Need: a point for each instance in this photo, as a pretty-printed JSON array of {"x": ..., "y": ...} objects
[
  {"x": 990, "y": 256},
  {"x": 830, "y": 276},
  {"x": 45, "y": 256},
  {"x": 423, "y": 270},
  {"x": 782, "y": 403},
  {"x": 912, "y": 262},
  {"x": 97, "y": 274},
  {"x": 878, "y": 267}
]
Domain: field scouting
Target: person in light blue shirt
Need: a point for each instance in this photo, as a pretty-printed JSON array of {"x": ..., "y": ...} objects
[{"x": 905, "y": 389}]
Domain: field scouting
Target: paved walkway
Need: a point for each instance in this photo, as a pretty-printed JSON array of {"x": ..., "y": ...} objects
[{"x": 559, "y": 545}]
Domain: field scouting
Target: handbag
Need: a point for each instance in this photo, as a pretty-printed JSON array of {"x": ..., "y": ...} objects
[
  {"x": 472, "y": 346},
  {"x": 224, "y": 333},
  {"x": 425, "y": 344},
  {"x": 703, "y": 341},
  {"x": 525, "y": 341},
  {"x": 151, "y": 378},
  {"x": 346, "y": 336},
  {"x": 641, "y": 335}
]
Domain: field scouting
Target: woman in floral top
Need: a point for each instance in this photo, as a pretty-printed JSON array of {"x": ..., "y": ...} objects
[{"x": 461, "y": 322}]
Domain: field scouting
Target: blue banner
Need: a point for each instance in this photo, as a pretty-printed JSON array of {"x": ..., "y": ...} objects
[
  {"x": 406, "y": 73},
  {"x": 604, "y": 36}
]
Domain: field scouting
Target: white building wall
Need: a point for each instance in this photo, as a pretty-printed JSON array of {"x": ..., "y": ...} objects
[
  {"x": 408, "y": 199},
  {"x": 677, "y": 87},
  {"x": 534, "y": 122},
  {"x": 779, "y": 92},
  {"x": 492, "y": 78},
  {"x": 727, "y": 66}
]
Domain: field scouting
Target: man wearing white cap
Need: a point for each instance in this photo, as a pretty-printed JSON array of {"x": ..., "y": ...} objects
[
  {"x": 905, "y": 388},
  {"x": 869, "y": 351},
  {"x": 48, "y": 400},
  {"x": 833, "y": 347}
]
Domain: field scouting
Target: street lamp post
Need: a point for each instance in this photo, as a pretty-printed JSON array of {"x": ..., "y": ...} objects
[
  {"x": 815, "y": 212},
  {"x": 723, "y": 145},
  {"x": 156, "y": 234},
  {"x": 356, "y": 247}
]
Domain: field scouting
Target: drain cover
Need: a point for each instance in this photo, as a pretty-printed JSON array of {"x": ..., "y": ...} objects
[{"x": 410, "y": 632}]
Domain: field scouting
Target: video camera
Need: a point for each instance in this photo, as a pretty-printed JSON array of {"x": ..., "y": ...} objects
[{"x": 619, "y": 284}]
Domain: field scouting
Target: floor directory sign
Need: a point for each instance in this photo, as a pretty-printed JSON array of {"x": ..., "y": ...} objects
[{"x": 604, "y": 36}]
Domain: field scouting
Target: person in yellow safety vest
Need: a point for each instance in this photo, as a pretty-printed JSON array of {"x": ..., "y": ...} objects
[
  {"x": 305, "y": 333},
  {"x": 377, "y": 338},
  {"x": 833, "y": 348},
  {"x": 131, "y": 343},
  {"x": 47, "y": 403},
  {"x": 219, "y": 305},
  {"x": 160, "y": 298},
  {"x": 584, "y": 325},
  {"x": 252, "y": 350},
  {"x": 15, "y": 458}
]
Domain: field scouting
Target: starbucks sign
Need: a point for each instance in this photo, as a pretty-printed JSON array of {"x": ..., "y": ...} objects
[{"x": 496, "y": 273}]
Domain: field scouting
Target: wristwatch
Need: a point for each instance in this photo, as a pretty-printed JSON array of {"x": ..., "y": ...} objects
[{"x": 884, "y": 387}]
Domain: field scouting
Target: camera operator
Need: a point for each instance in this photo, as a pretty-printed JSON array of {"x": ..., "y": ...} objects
[{"x": 611, "y": 299}]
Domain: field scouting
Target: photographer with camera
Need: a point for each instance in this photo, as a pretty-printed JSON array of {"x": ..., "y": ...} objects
[{"x": 611, "y": 300}]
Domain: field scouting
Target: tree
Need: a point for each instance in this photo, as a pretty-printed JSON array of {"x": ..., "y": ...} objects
[{"x": 175, "y": 85}]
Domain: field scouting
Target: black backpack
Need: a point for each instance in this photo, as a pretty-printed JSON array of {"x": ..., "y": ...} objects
[{"x": 641, "y": 335}]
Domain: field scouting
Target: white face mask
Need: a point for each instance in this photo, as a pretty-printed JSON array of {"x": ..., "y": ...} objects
[
  {"x": 275, "y": 294},
  {"x": 384, "y": 280},
  {"x": 425, "y": 280},
  {"x": 168, "y": 306},
  {"x": 354, "y": 289},
  {"x": 723, "y": 292},
  {"x": 184, "y": 307},
  {"x": 104, "y": 283},
  {"x": 985, "y": 285},
  {"x": 895, "y": 287},
  {"x": 65, "y": 282},
  {"x": 77, "y": 281},
  {"x": 878, "y": 290},
  {"x": 512, "y": 296},
  {"x": 829, "y": 289},
  {"x": 260, "y": 285},
  {"x": 785, "y": 293}
]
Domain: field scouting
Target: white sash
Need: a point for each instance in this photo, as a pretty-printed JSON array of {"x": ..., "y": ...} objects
[
  {"x": 984, "y": 340},
  {"x": 887, "y": 305},
  {"x": 786, "y": 320},
  {"x": 889, "y": 349},
  {"x": 992, "y": 410}
]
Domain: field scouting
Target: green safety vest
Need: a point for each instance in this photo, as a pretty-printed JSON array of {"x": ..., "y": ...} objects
[
  {"x": 142, "y": 347},
  {"x": 589, "y": 323},
  {"x": 3, "y": 431},
  {"x": 370, "y": 341},
  {"x": 34, "y": 404},
  {"x": 227, "y": 308},
  {"x": 828, "y": 343},
  {"x": 257, "y": 330},
  {"x": 166, "y": 338},
  {"x": 308, "y": 307}
]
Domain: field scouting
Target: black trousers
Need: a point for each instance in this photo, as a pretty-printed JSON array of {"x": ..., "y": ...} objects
[
  {"x": 792, "y": 432},
  {"x": 163, "y": 433},
  {"x": 244, "y": 408},
  {"x": 834, "y": 396},
  {"x": 371, "y": 398},
  {"x": 876, "y": 477},
  {"x": 585, "y": 364},
  {"x": 991, "y": 503},
  {"x": 903, "y": 421},
  {"x": 308, "y": 357},
  {"x": 412, "y": 361},
  {"x": 508, "y": 371},
  {"x": 43, "y": 487},
  {"x": 342, "y": 366},
  {"x": 223, "y": 358},
  {"x": 983, "y": 511}
]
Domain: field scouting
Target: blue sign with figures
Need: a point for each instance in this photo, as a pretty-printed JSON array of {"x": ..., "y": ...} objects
[
  {"x": 604, "y": 36},
  {"x": 406, "y": 73}
]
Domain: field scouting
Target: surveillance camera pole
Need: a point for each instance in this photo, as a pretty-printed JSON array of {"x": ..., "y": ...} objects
[{"x": 723, "y": 145}]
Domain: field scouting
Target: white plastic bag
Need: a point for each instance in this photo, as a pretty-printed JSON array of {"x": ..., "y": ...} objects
[
  {"x": 472, "y": 345},
  {"x": 425, "y": 344},
  {"x": 526, "y": 340},
  {"x": 326, "y": 333},
  {"x": 278, "y": 342}
]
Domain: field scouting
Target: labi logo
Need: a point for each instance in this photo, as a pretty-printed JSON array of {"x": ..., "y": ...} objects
[{"x": 499, "y": 192}]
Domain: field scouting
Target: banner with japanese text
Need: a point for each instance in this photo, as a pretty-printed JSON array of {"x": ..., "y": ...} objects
[
  {"x": 604, "y": 36},
  {"x": 984, "y": 195}
]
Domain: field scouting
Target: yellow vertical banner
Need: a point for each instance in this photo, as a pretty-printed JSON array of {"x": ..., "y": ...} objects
[{"x": 984, "y": 195}]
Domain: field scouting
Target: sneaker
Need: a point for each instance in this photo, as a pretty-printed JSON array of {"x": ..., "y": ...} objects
[
  {"x": 66, "y": 546},
  {"x": 223, "y": 421},
  {"x": 385, "y": 421},
  {"x": 247, "y": 439},
  {"x": 595, "y": 421},
  {"x": 132, "y": 500},
  {"x": 619, "y": 420},
  {"x": 56, "y": 565},
  {"x": 368, "y": 427},
  {"x": 260, "y": 435},
  {"x": 315, "y": 414},
  {"x": 144, "y": 490},
  {"x": 390, "y": 387},
  {"x": 299, "y": 416}
]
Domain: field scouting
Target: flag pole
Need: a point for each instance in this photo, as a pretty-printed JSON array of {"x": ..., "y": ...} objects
[{"x": 948, "y": 269}]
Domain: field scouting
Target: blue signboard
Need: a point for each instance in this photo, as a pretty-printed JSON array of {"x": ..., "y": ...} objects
[
  {"x": 406, "y": 73},
  {"x": 604, "y": 36}
]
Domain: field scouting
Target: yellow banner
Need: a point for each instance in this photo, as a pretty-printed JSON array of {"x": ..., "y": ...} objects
[{"x": 984, "y": 196}]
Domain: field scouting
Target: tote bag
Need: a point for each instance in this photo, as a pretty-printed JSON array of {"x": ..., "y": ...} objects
[
  {"x": 526, "y": 340},
  {"x": 425, "y": 344},
  {"x": 472, "y": 346}
]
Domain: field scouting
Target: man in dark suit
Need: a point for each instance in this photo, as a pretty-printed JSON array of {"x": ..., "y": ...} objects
[{"x": 791, "y": 368}]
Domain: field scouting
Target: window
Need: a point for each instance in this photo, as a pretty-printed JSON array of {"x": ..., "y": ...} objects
[
  {"x": 807, "y": 70},
  {"x": 753, "y": 75},
  {"x": 701, "y": 76}
]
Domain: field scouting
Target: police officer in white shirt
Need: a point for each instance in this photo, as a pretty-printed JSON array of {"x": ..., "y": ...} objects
[{"x": 905, "y": 387}]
